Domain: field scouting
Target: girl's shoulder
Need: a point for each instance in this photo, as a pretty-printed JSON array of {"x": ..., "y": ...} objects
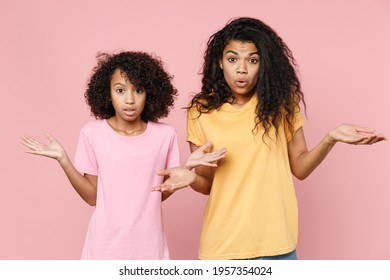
[
  {"x": 161, "y": 130},
  {"x": 161, "y": 126},
  {"x": 92, "y": 126}
]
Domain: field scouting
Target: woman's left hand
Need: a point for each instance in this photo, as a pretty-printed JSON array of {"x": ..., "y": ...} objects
[{"x": 354, "y": 134}]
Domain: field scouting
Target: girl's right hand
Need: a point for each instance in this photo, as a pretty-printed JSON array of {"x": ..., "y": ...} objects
[{"x": 52, "y": 150}]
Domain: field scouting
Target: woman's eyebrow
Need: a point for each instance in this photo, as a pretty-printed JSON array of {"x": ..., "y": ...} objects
[{"x": 236, "y": 53}]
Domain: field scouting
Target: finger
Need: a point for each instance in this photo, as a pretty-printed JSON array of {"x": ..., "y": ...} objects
[
  {"x": 50, "y": 137},
  {"x": 156, "y": 189},
  {"x": 34, "y": 152},
  {"x": 365, "y": 130},
  {"x": 213, "y": 158},
  {"x": 30, "y": 143},
  {"x": 378, "y": 138},
  {"x": 208, "y": 164},
  {"x": 24, "y": 141},
  {"x": 219, "y": 152},
  {"x": 178, "y": 186},
  {"x": 161, "y": 188},
  {"x": 166, "y": 188},
  {"x": 367, "y": 140},
  {"x": 205, "y": 146},
  {"x": 164, "y": 172},
  {"x": 217, "y": 157}
]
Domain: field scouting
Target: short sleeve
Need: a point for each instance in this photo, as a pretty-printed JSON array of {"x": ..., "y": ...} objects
[
  {"x": 85, "y": 158},
  {"x": 297, "y": 122},
  {"x": 173, "y": 154},
  {"x": 194, "y": 131}
]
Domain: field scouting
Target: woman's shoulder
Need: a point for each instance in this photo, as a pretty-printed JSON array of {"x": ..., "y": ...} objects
[{"x": 199, "y": 105}]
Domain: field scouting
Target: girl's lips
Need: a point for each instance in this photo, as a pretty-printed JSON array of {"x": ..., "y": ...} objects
[{"x": 129, "y": 112}]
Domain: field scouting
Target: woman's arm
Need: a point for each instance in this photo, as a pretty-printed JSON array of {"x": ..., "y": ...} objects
[
  {"x": 85, "y": 185},
  {"x": 304, "y": 162},
  {"x": 182, "y": 176},
  {"x": 204, "y": 175}
]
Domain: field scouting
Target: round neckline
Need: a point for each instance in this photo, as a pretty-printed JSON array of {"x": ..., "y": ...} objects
[
  {"x": 114, "y": 132},
  {"x": 231, "y": 108}
]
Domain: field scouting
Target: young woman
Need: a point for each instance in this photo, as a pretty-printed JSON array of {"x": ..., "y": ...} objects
[{"x": 250, "y": 104}]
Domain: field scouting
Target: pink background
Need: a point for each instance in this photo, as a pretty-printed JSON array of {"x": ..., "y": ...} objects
[{"x": 48, "y": 49}]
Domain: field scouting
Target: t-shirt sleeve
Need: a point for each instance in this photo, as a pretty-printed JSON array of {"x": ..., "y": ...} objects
[
  {"x": 85, "y": 158},
  {"x": 173, "y": 158},
  {"x": 194, "y": 130},
  {"x": 297, "y": 122}
]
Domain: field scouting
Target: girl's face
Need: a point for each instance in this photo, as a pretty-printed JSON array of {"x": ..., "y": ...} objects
[
  {"x": 240, "y": 64},
  {"x": 127, "y": 99}
]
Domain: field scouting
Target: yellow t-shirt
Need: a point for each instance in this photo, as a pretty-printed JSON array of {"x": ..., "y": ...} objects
[{"x": 252, "y": 209}]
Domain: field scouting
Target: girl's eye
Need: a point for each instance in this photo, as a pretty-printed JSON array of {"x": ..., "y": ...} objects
[
  {"x": 139, "y": 90},
  {"x": 119, "y": 90},
  {"x": 253, "y": 60},
  {"x": 231, "y": 59}
]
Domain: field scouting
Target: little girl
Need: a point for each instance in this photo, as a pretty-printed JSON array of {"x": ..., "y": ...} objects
[{"x": 118, "y": 155}]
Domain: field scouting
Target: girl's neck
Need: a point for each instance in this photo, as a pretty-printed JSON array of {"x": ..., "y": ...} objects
[{"x": 127, "y": 128}]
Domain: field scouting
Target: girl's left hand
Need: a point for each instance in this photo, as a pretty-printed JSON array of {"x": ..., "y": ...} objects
[
  {"x": 181, "y": 176},
  {"x": 353, "y": 134},
  {"x": 177, "y": 178}
]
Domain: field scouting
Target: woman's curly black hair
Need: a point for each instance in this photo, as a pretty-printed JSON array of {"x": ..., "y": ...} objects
[
  {"x": 143, "y": 70},
  {"x": 278, "y": 88}
]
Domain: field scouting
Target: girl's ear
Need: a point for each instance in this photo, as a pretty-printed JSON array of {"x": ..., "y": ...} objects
[{"x": 220, "y": 64}]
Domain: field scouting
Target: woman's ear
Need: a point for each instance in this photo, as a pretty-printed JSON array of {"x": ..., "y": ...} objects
[{"x": 220, "y": 64}]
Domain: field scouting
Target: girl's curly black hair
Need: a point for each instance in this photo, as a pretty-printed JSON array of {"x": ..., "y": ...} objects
[
  {"x": 143, "y": 70},
  {"x": 278, "y": 87}
]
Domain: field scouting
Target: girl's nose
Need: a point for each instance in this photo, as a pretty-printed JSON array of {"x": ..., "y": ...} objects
[{"x": 129, "y": 98}]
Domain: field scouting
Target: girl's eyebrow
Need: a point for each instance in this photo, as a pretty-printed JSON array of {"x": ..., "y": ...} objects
[{"x": 120, "y": 84}]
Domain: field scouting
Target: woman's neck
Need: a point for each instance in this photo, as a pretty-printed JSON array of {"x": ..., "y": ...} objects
[{"x": 239, "y": 101}]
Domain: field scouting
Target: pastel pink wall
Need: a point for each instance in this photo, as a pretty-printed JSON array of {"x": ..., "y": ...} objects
[{"x": 48, "y": 49}]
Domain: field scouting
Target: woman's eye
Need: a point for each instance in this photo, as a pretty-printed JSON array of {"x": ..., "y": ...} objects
[
  {"x": 119, "y": 90},
  {"x": 231, "y": 59},
  {"x": 253, "y": 60},
  {"x": 139, "y": 90}
]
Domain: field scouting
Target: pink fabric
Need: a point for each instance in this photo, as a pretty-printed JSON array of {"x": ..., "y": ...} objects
[{"x": 127, "y": 221}]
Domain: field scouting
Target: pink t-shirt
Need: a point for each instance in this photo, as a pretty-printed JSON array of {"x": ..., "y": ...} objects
[{"x": 127, "y": 221}]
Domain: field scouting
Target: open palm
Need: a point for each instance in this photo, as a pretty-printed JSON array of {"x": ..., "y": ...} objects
[
  {"x": 353, "y": 134},
  {"x": 52, "y": 150},
  {"x": 202, "y": 158}
]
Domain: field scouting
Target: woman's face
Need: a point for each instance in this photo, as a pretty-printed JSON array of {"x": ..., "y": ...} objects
[{"x": 241, "y": 64}]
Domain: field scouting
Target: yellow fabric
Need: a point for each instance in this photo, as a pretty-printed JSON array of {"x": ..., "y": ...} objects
[{"x": 252, "y": 208}]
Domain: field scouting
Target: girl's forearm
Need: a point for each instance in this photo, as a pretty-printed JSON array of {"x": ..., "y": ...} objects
[{"x": 80, "y": 183}]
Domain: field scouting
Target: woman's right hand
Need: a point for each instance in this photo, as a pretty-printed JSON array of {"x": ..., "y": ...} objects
[
  {"x": 52, "y": 150},
  {"x": 202, "y": 158}
]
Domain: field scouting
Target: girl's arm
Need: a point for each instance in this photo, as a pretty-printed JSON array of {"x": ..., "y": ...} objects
[
  {"x": 303, "y": 162},
  {"x": 85, "y": 186},
  {"x": 201, "y": 180}
]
